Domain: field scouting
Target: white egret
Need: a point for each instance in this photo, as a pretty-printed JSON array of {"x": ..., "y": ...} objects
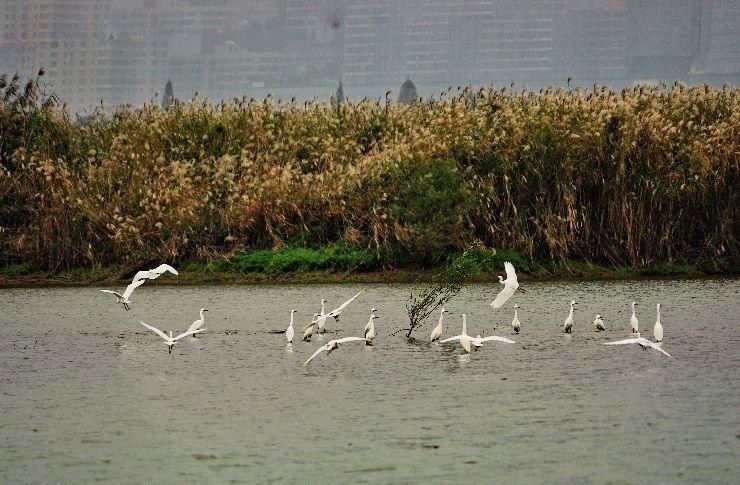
[
  {"x": 510, "y": 286},
  {"x": 198, "y": 324},
  {"x": 437, "y": 331},
  {"x": 516, "y": 325},
  {"x": 169, "y": 340},
  {"x": 290, "y": 332},
  {"x": 333, "y": 345},
  {"x": 139, "y": 280},
  {"x": 633, "y": 321},
  {"x": 370, "y": 328},
  {"x": 338, "y": 311},
  {"x": 568, "y": 326},
  {"x": 463, "y": 338},
  {"x": 308, "y": 329},
  {"x": 599, "y": 323},
  {"x": 658, "y": 329},
  {"x": 123, "y": 299},
  {"x": 156, "y": 272},
  {"x": 641, "y": 341},
  {"x": 322, "y": 315}
]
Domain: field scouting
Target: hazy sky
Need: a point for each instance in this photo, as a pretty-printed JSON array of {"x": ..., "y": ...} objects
[{"x": 125, "y": 50}]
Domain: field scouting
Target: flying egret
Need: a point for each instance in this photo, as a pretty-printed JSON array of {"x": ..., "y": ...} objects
[
  {"x": 290, "y": 332},
  {"x": 510, "y": 286},
  {"x": 198, "y": 324},
  {"x": 463, "y": 338},
  {"x": 333, "y": 345},
  {"x": 156, "y": 272},
  {"x": 437, "y": 331},
  {"x": 599, "y": 323},
  {"x": 515, "y": 323},
  {"x": 633, "y": 321},
  {"x": 337, "y": 311},
  {"x": 124, "y": 299},
  {"x": 641, "y": 341},
  {"x": 568, "y": 326},
  {"x": 139, "y": 280},
  {"x": 308, "y": 329},
  {"x": 370, "y": 328},
  {"x": 658, "y": 329},
  {"x": 169, "y": 340}
]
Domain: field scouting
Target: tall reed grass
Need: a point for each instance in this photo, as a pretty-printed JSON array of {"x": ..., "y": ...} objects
[{"x": 633, "y": 177}]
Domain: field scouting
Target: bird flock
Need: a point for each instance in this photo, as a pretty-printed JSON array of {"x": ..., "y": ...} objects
[{"x": 467, "y": 342}]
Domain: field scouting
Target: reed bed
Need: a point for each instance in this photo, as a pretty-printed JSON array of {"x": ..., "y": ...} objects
[{"x": 635, "y": 177}]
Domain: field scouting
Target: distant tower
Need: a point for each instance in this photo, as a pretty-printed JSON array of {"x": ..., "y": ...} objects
[
  {"x": 340, "y": 93},
  {"x": 168, "y": 95},
  {"x": 407, "y": 95}
]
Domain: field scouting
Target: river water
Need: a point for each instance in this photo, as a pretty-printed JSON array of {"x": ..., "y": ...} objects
[{"x": 88, "y": 394}]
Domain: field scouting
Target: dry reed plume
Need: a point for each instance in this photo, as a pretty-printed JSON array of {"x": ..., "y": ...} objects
[{"x": 632, "y": 177}]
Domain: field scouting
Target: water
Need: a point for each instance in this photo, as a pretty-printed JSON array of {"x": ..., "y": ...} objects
[{"x": 88, "y": 394}]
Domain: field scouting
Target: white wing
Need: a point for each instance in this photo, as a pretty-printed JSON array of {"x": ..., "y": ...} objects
[
  {"x": 195, "y": 325},
  {"x": 341, "y": 307},
  {"x": 436, "y": 333},
  {"x": 504, "y": 295},
  {"x": 323, "y": 348},
  {"x": 625, "y": 341},
  {"x": 189, "y": 332},
  {"x": 348, "y": 339},
  {"x": 156, "y": 272},
  {"x": 451, "y": 339},
  {"x": 156, "y": 330},
  {"x": 658, "y": 332},
  {"x": 130, "y": 288},
  {"x": 114, "y": 292},
  {"x": 290, "y": 333},
  {"x": 657, "y": 347},
  {"x": 510, "y": 273},
  {"x": 497, "y": 339},
  {"x": 465, "y": 342}
]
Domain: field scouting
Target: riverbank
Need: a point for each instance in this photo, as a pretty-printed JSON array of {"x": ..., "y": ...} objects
[{"x": 203, "y": 274}]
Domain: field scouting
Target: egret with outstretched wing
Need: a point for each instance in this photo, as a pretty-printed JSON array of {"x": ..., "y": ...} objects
[
  {"x": 169, "y": 340},
  {"x": 333, "y": 345},
  {"x": 123, "y": 299},
  {"x": 510, "y": 286},
  {"x": 641, "y": 341}
]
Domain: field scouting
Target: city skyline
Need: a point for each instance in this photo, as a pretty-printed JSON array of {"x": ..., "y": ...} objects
[{"x": 115, "y": 51}]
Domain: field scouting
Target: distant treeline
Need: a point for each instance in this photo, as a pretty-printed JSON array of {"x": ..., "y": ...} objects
[{"x": 634, "y": 177}]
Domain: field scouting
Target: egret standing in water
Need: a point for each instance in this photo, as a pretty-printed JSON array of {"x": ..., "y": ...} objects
[
  {"x": 169, "y": 339},
  {"x": 308, "y": 329},
  {"x": 510, "y": 286},
  {"x": 198, "y": 324},
  {"x": 515, "y": 324},
  {"x": 437, "y": 331},
  {"x": 370, "y": 328},
  {"x": 634, "y": 324},
  {"x": 290, "y": 332},
  {"x": 568, "y": 326},
  {"x": 658, "y": 329},
  {"x": 463, "y": 338},
  {"x": 599, "y": 324}
]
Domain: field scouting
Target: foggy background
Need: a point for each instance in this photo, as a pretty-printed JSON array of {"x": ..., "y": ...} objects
[{"x": 124, "y": 51}]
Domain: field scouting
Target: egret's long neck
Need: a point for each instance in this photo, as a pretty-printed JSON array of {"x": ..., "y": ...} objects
[
  {"x": 291, "y": 319},
  {"x": 658, "y": 310},
  {"x": 170, "y": 334},
  {"x": 571, "y": 310},
  {"x": 465, "y": 325},
  {"x": 322, "y": 308},
  {"x": 202, "y": 318},
  {"x": 633, "y": 310},
  {"x": 515, "y": 314},
  {"x": 441, "y": 317}
]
